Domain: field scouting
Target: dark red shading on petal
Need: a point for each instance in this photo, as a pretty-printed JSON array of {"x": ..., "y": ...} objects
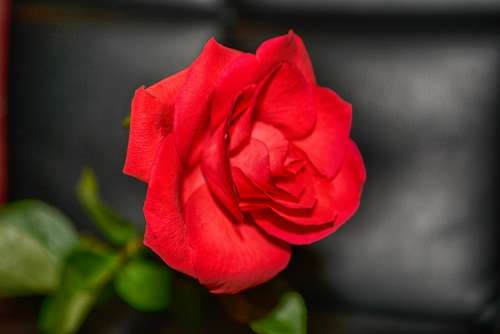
[
  {"x": 292, "y": 233},
  {"x": 215, "y": 163},
  {"x": 242, "y": 118},
  {"x": 322, "y": 213},
  {"x": 192, "y": 104},
  {"x": 217, "y": 171},
  {"x": 166, "y": 232},
  {"x": 286, "y": 103},
  {"x": 325, "y": 146},
  {"x": 287, "y": 48},
  {"x": 313, "y": 207},
  {"x": 337, "y": 201},
  {"x": 246, "y": 188},
  {"x": 290, "y": 184},
  {"x": 252, "y": 197},
  {"x": 251, "y": 169},
  {"x": 230, "y": 257}
]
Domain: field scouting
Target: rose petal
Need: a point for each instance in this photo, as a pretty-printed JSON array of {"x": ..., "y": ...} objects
[
  {"x": 166, "y": 232},
  {"x": 192, "y": 180},
  {"x": 166, "y": 90},
  {"x": 253, "y": 160},
  {"x": 347, "y": 186},
  {"x": 242, "y": 118},
  {"x": 191, "y": 107},
  {"x": 253, "y": 197},
  {"x": 149, "y": 121},
  {"x": 243, "y": 71},
  {"x": 322, "y": 212},
  {"x": 276, "y": 144},
  {"x": 287, "y": 48},
  {"x": 326, "y": 145},
  {"x": 290, "y": 184},
  {"x": 246, "y": 188},
  {"x": 151, "y": 118},
  {"x": 286, "y": 102},
  {"x": 341, "y": 196},
  {"x": 230, "y": 257},
  {"x": 294, "y": 234},
  {"x": 313, "y": 207},
  {"x": 217, "y": 171}
]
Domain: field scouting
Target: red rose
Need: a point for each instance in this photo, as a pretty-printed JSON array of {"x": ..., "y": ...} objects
[{"x": 243, "y": 155}]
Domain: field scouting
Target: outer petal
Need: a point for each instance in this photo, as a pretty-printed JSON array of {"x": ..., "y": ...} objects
[
  {"x": 166, "y": 90},
  {"x": 191, "y": 108},
  {"x": 326, "y": 145},
  {"x": 166, "y": 232},
  {"x": 287, "y": 48},
  {"x": 230, "y": 257},
  {"x": 347, "y": 186},
  {"x": 147, "y": 127},
  {"x": 286, "y": 102},
  {"x": 151, "y": 118}
]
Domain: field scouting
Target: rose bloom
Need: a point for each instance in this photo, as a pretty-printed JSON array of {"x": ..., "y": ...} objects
[{"x": 244, "y": 155}]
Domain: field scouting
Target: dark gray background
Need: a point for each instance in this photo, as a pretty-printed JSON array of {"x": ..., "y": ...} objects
[{"x": 420, "y": 256}]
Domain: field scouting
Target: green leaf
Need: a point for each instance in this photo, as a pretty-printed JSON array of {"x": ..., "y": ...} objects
[
  {"x": 86, "y": 273},
  {"x": 126, "y": 122},
  {"x": 289, "y": 317},
  {"x": 117, "y": 229},
  {"x": 144, "y": 285},
  {"x": 35, "y": 238}
]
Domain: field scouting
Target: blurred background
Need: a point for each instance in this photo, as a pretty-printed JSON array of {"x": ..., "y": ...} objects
[{"x": 422, "y": 253}]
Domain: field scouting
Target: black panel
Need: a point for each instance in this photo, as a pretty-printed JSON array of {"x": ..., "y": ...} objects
[
  {"x": 373, "y": 7},
  {"x": 71, "y": 84},
  {"x": 426, "y": 118}
]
